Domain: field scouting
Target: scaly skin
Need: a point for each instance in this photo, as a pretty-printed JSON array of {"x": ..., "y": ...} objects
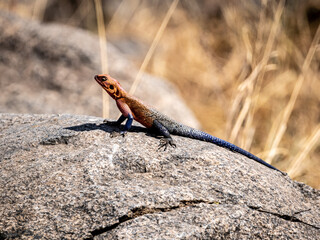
[{"x": 132, "y": 108}]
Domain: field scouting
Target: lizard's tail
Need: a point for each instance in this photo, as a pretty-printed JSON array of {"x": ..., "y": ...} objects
[{"x": 197, "y": 134}]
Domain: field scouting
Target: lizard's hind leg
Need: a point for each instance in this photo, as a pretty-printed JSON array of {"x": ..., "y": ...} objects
[{"x": 167, "y": 139}]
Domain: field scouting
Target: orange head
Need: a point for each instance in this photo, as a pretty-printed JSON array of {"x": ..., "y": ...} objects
[{"x": 110, "y": 85}]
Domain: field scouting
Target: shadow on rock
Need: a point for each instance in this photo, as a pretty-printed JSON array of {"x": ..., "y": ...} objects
[{"x": 104, "y": 127}]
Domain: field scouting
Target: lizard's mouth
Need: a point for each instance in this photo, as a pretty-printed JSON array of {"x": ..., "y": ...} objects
[{"x": 96, "y": 77}]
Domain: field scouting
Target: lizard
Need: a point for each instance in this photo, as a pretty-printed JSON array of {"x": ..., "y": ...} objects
[{"x": 132, "y": 108}]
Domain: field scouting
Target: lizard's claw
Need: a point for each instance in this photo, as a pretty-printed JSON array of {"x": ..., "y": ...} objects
[
  {"x": 164, "y": 142},
  {"x": 116, "y": 134}
]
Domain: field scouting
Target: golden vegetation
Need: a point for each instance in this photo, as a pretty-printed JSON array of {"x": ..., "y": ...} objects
[{"x": 248, "y": 69}]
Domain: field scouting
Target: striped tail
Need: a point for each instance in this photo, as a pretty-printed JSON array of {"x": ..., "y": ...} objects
[{"x": 199, "y": 135}]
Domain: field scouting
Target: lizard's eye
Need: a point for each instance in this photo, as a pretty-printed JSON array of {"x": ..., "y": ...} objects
[
  {"x": 111, "y": 87},
  {"x": 103, "y": 79}
]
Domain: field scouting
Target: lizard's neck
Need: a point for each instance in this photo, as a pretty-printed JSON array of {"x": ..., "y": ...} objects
[
  {"x": 130, "y": 100},
  {"x": 126, "y": 103}
]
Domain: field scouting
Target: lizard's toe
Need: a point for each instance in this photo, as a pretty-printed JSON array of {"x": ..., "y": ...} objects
[
  {"x": 164, "y": 142},
  {"x": 116, "y": 134},
  {"x": 123, "y": 133}
]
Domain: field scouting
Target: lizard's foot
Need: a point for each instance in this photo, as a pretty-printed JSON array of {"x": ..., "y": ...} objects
[
  {"x": 116, "y": 134},
  {"x": 164, "y": 142},
  {"x": 110, "y": 123}
]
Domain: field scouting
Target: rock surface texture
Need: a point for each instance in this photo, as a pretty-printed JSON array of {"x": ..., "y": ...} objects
[
  {"x": 63, "y": 177},
  {"x": 49, "y": 68}
]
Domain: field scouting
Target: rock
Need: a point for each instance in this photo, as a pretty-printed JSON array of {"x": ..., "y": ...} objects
[
  {"x": 63, "y": 177},
  {"x": 49, "y": 68}
]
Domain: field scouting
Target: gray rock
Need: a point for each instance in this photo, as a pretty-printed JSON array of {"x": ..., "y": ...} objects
[
  {"x": 49, "y": 68},
  {"x": 63, "y": 177}
]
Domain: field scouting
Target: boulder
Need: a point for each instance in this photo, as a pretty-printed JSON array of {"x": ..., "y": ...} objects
[{"x": 63, "y": 177}]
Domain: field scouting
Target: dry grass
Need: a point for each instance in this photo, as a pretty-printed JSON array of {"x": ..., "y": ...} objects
[
  {"x": 249, "y": 70},
  {"x": 284, "y": 116},
  {"x": 153, "y": 46},
  {"x": 103, "y": 53},
  {"x": 38, "y": 9}
]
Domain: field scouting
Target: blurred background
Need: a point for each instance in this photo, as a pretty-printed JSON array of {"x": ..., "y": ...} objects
[{"x": 248, "y": 70}]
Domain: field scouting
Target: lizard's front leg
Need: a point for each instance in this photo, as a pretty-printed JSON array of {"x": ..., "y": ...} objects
[
  {"x": 126, "y": 127},
  {"x": 167, "y": 139}
]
